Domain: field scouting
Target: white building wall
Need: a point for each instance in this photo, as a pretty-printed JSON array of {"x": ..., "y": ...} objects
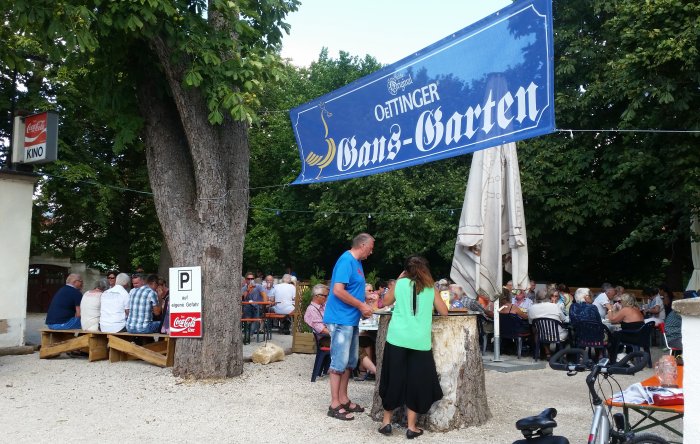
[{"x": 16, "y": 191}]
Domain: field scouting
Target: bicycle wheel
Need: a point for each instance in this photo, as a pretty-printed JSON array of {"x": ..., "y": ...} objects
[{"x": 646, "y": 438}]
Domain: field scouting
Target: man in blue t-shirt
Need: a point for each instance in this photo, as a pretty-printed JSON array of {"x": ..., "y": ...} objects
[
  {"x": 345, "y": 305},
  {"x": 64, "y": 310}
]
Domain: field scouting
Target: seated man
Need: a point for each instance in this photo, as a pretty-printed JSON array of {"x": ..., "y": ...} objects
[
  {"x": 269, "y": 287},
  {"x": 543, "y": 308},
  {"x": 314, "y": 313},
  {"x": 521, "y": 300},
  {"x": 602, "y": 301},
  {"x": 114, "y": 306},
  {"x": 252, "y": 292},
  {"x": 64, "y": 310},
  {"x": 143, "y": 304},
  {"x": 285, "y": 293}
]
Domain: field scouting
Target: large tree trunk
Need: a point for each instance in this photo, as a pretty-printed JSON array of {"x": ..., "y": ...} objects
[
  {"x": 199, "y": 177},
  {"x": 461, "y": 371}
]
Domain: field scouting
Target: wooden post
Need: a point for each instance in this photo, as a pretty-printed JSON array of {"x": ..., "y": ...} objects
[{"x": 461, "y": 371}]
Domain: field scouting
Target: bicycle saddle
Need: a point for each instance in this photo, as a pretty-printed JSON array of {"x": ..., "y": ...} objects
[{"x": 544, "y": 420}]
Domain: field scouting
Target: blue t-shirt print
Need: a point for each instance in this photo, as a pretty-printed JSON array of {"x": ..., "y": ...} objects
[{"x": 348, "y": 271}]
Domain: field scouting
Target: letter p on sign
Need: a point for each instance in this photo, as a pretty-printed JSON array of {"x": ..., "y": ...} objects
[{"x": 184, "y": 281}]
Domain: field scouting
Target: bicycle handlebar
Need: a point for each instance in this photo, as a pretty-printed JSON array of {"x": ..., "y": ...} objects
[
  {"x": 581, "y": 362},
  {"x": 621, "y": 368}
]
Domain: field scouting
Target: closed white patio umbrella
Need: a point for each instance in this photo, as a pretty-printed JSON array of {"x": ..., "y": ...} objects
[{"x": 491, "y": 233}]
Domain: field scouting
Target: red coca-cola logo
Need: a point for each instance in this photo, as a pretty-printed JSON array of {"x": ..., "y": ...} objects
[
  {"x": 36, "y": 127},
  {"x": 186, "y": 324},
  {"x": 35, "y": 130}
]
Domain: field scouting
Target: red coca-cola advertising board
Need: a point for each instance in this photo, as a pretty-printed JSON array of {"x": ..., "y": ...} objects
[
  {"x": 40, "y": 143},
  {"x": 186, "y": 302},
  {"x": 186, "y": 324}
]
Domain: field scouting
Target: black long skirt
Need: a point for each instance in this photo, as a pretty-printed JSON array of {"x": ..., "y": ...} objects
[{"x": 408, "y": 378}]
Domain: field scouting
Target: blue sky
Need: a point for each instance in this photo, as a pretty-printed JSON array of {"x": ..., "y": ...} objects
[{"x": 388, "y": 30}]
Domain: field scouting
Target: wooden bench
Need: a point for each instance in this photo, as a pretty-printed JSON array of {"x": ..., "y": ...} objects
[{"x": 154, "y": 348}]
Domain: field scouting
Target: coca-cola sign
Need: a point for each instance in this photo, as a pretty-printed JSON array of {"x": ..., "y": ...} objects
[
  {"x": 40, "y": 138},
  {"x": 186, "y": 324},
  {"x": 186, "y": 302}
]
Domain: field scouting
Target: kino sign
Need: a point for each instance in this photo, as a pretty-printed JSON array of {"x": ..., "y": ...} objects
[{"x": 35, "y": 138}]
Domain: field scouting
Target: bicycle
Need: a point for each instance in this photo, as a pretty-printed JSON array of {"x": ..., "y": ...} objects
[{"x": 539, "y": 429}]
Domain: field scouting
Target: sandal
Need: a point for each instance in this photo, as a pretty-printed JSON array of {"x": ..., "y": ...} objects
[
  {"x": 337, "y": 414},
  {"x": 356, "y": 409}
]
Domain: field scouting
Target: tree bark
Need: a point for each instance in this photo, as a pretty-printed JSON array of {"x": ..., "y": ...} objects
[
  {"x": 165, "y": 261},
  {"x": 461, "y": 371},
  {"x": 199, "y": 177}
]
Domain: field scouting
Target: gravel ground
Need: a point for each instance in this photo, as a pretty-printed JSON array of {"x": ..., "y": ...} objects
[{"x": 69, "y": 399}]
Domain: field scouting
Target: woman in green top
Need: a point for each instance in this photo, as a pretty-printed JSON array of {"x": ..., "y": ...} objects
[{"x": 408, "y": 370}]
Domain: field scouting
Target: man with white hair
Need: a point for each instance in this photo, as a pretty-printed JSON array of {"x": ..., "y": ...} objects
[
  {"x": 284, "y": 295},
  {"x": 114, "y": 306},
  {"x": 314, "y": 312},
  {"x": 284, "y": 300},
  {"x": 64, "y": 310},
  {"x": 543, "y": 308},
  {"x": 583, "y": 309}
]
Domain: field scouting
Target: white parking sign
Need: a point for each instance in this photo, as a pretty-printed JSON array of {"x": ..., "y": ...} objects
[{"x": 186, "y": 302}]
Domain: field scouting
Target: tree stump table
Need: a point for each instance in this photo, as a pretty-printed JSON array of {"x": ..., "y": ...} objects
[{"x": 460, "y": 369}]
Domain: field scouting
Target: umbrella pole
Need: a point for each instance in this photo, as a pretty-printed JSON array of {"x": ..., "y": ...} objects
[{"x": 496, "y": 333}]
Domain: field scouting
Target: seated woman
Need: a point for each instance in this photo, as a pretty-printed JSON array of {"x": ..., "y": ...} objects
[
  {"x": 655, "y": 310},
  {"x": 366, "y": 362},
  {"x": 668, "y": 297},
  {"x": 673, "y": 330},
  {"x": 555, "y": 297},
  {"x": 630, "y": 318},
  {"x": 565, "y": 298},
  {"x": 583, "y": 309}
]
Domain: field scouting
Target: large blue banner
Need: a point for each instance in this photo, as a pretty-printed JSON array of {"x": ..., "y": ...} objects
[{"x": 488, "y": 84}]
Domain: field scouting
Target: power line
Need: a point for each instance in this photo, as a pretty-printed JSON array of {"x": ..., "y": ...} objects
[
  {"x": 277, "y": 211},
  {"x": 369, "y": 214},
  {"x": 652, "y": 131}
]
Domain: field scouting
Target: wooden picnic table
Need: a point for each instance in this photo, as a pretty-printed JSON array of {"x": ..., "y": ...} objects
[
  {"x": 154, "y": 348},
  {"x": 648, "y": 410}
]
